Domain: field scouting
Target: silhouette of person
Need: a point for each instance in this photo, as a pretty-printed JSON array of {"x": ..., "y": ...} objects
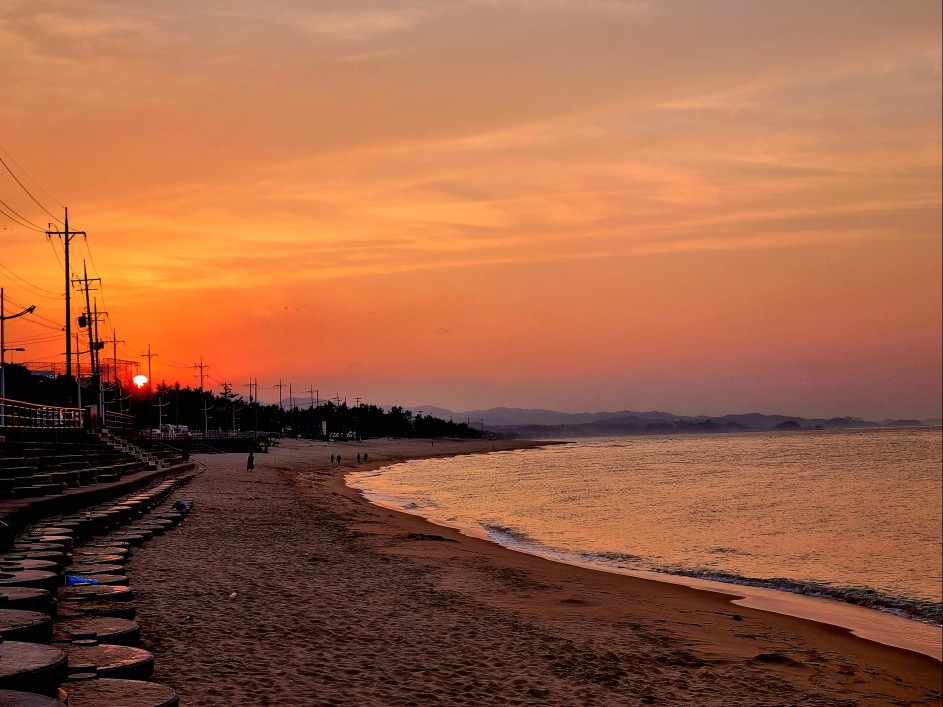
[
  {"x": 364, "y": 457},
  {"x": 250, "y": 462},
  {"x": 338, "y": 458},
  {"x": 358, "y": 457},
  {"x": 332, "y": 459}
]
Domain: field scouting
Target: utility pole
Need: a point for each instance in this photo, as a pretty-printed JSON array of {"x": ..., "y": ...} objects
[
  {"x": 160, "y": 410},
  {"x": 280, "y": 386},
  {"x": 78, "y": 371},
  {"x": 87, "y": 321},
  {"x": 150, "y": 386},
  {"x": 291, "y": 411},
  {"x": 67, "y": 237},
  {"x": 115, "y": 383},
  {"x": 202, "y": 366},
  {"x": 227, "y": 389}
]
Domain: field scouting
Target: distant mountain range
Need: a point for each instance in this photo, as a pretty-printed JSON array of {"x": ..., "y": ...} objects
[{"x": 552, "y": 423}]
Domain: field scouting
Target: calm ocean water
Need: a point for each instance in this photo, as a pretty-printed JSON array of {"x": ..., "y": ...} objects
[{"x": 854, "y": 515}]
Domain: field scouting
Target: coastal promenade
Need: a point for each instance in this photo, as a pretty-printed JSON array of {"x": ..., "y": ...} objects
[{"x": 288, "y": 589}]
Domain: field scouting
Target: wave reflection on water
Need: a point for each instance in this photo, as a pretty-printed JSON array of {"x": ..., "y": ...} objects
[{"x": 853, "y": 515}]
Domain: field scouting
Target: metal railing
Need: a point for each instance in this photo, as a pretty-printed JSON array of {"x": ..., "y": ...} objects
[
  {"x": 119, "y": 421},
  {"x": 16, "y": 413}
]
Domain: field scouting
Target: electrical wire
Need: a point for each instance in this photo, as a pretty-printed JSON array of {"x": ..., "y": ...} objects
[
  {"x": 18, "y": 222},
  {"x": 28, "y": 192},
  {"x": 21, "y": 216},
  {"x": 36, "y": 340},
  {"x": 28, "y": 176},
  {"x": 27, "y": 284}
]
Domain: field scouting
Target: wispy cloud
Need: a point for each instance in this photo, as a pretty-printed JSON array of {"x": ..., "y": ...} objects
[{"x": 353, "y": 25}]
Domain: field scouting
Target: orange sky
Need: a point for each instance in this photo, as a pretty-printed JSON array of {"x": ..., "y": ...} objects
[{"x": 699, "y": 207}]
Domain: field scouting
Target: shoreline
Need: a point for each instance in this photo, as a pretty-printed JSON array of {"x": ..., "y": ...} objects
[
  {"x": 870, "y": 624},
  {"x": 286, "y": 587}
]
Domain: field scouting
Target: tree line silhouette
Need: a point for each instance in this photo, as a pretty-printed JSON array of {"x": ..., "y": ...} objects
[{"x": 228, "y": 411}]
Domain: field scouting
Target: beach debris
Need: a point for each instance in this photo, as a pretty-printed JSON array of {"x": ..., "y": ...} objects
[
  {"x": 233, "y": 595},
  {"x": 424, "y": 536},
  {"x": 737, "y": 617}
]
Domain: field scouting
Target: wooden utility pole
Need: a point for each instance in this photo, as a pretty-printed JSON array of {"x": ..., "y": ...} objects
[
  {"x": 90, "y": 320},
  {"x": 280, "y": 386},
  {"x": 150, "y": 387},
  {"x": 67, "y": 237},
  {"x": 202, "y": 366}
]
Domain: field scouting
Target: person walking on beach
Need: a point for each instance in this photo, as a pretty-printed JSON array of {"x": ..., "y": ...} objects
[
  {"x": 338, "y": 458},
  {"x": 250, "y": 462},
  {"x": 364, "y": 457},
  {"x": 332, "y": 459},
  {"x": 358, "y": 457}
]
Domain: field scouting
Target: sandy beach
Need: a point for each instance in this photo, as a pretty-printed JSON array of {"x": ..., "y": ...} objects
[{"x": 284, "y": 587}]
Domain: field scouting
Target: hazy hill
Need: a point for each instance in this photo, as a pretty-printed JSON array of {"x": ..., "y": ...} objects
[{"x": 552, "y": 423}]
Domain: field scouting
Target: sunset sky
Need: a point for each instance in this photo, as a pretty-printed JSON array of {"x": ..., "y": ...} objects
[{"x": 699, "y": 207}]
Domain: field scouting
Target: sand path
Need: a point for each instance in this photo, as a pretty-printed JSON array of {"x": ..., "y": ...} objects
[{"x": 283, "y": 588}]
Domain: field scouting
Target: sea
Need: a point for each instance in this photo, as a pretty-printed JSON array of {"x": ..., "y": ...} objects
[{"x": 853, "y": 515}]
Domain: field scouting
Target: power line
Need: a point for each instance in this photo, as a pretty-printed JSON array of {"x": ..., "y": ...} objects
[
  {"x": 21, "y": 216},
  {"x": 36, "y": 340},
  {"x": 18, "y": 222},
  {"x": 29, "y": 177},
  {"x": 27, "y": 283},
  {"x": 28, "y": 192}
]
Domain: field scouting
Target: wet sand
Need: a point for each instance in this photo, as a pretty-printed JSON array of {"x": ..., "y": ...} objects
[{"x": 284, "y": 587}]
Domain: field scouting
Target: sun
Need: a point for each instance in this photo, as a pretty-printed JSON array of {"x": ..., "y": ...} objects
[{"x": 140, "y": 380}]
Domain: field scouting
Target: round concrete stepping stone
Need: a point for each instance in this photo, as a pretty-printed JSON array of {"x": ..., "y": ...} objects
[
  {"x": 81, "y": 526},
  {"x": 100, "y": 522},
  {"x": 104, "y": 629},
  {"x": 27, "y": 626},
  {"x": 152, "y": 528},
  {"x": 40, "y": 547},
  {"x": 118, "y": 547},
  {"x": 108, "y": 692},
  {"x": 27, "y": 564},
  {"x": 97, "y": 558},
  {"x": 59, "y": 558},
  {"x": 63, "y": 540},
  {"x": 14, "y": 698},
  {"x": 172, "y": 516},
  {"x": 30, "y": 578},
  {"x": 136, "y": 539},
  {"x": 114, "y": 580},
  {"x": 95, "y": 592},
  {"x": 27, "y": 599},
  {"x": 165, "y": 523},
  {"x": 84, "y": 569},
  {"x": 111, "y": 661},
  {"x": 118, "y": 514},
  {"x": 113, "y": 609},
  {"x": 133, "y": 512},
  {"x": 31, "y": 667},
  {"x": 53, "y": 530}
]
